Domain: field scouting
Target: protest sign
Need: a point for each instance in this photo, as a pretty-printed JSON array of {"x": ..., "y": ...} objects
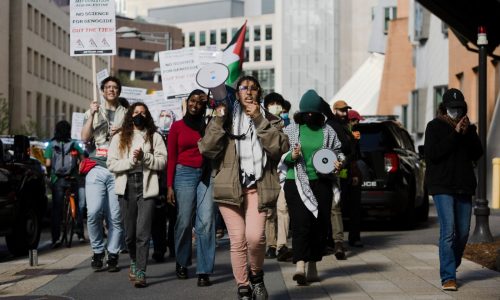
[
  {"x": 92, "y": 27},
  {"x": 133, "y": 94},
  {"x": 77, "y": 125},
  {"x": 100, "y": 76},
  {"x": 179, "y": 68}
]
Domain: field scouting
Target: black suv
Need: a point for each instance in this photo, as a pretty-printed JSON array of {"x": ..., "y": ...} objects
[
  {"x": 393, "y": 174},
  {"x": 22, "y": 195}
]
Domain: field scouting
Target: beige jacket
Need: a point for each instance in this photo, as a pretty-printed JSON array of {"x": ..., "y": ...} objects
[
  {"x": 101, "y": 124},
  {"x": 120, "y": 163},
  {"x": 218, "y": 147}
]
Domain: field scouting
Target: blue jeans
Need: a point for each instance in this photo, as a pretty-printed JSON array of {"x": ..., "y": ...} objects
[
  {"x": 102, "y": 202},
  {"x": 454, "y": 214},
  {"x": 194, "y": 196}
]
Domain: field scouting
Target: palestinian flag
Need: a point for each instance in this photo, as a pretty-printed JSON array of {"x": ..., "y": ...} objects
[{"x": 234, "y": 54}]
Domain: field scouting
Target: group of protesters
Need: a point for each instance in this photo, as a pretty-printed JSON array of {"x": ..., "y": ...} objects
[{"x": 247, "y": 160}]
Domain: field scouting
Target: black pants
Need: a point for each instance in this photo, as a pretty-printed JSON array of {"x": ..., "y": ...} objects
[
  {"x": 137, "y": 214},
  {"x": 161, "y": 236},
  {"x": 308, "y": 232}
]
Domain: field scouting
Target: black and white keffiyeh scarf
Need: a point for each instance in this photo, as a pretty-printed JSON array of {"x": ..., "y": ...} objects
[
  {"x": 330, "y": 141},
  {"x": 252, "y": 157}
]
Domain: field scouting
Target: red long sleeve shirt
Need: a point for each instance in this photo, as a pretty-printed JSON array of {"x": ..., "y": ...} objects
[{"x": 182, "y": 149}]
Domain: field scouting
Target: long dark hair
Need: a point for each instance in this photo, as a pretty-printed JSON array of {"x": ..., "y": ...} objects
[
  {"x": 127, "y": 129},
  {"x": 311, "y": 119},
  {"x": 62, "y": 132}
]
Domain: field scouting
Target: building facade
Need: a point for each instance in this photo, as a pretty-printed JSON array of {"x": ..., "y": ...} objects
[
  {"x": 45, "y": 84},
  {"x": 138, "y": 44}
]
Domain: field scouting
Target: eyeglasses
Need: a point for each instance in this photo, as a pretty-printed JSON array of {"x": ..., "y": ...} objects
[
  {"x": 111, "y": 87},
  {"x": 244, "y": 88}
]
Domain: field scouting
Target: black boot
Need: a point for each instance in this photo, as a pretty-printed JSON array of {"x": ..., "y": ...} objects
[
  {"x": 258, "y": 287},
  {"x": 244, "y": 292}
]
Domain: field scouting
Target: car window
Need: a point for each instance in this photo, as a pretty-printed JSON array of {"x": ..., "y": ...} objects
[{"x": 375, "y": 138}]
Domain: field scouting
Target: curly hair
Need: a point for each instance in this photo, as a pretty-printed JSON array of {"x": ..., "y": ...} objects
[{"x": 127, "y": 130}]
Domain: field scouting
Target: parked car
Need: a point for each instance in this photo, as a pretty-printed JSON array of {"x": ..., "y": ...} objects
[
  {"x": 23, "y": 199},
  {"x": 393, "y": 174}
]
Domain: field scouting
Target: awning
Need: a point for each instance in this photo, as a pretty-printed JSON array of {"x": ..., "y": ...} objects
[{"x": 362, "y": 89}]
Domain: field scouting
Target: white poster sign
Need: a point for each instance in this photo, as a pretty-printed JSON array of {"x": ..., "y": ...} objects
[
  {"x": 133, "y": 94},
  {"x": 77, "y": 125},
  {"x": 179, "y": 68},
  {"x": 92, "y": 27}
]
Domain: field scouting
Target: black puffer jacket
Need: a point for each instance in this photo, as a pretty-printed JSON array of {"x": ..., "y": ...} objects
[{"x": 450, "y": 158}]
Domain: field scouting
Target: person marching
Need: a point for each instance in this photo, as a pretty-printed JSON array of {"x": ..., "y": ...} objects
[
  {"x": 189, "y": 188},
  {"x": 309, "y": 194},
  {"x": 245, "y": 143},
  {"x": 136, "y": 155},
  {"x": 452, "y": 147},
  {"x": 100, "y": 124}
]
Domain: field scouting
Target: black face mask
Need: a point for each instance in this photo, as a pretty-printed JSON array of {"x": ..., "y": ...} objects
[{"x": 139, "y": 120}]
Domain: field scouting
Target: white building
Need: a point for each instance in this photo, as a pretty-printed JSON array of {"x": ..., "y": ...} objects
[{"x": 429, "y": 36}]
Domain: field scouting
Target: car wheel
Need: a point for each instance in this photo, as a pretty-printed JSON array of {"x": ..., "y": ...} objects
[{"x": 26, "y": 233}]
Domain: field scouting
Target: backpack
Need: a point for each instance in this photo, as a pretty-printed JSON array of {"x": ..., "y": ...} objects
[{"x": 63, "y": 160}]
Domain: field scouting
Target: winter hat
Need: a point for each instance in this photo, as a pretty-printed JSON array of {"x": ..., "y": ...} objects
[
  {"x": 310, "y": 102},
  {"x": 352, "y": 114},
  {"x": 454, "y": 98}
]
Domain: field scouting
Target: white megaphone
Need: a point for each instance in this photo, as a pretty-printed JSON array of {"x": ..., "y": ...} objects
[{"x": 213, "y": 77}]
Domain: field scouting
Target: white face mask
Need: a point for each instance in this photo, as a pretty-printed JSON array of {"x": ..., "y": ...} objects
[
  {"x": 454, "y": 112},
  {"x": 164, "y": 123},
  {"x": 275, "y": 109}
]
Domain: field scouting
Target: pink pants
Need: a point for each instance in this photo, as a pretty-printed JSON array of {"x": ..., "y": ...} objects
[{"x": 245, "y": 227}]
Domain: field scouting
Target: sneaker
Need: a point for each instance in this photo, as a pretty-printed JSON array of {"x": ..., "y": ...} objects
[
  {"x": 181, "y": 272},
  {"x": 271, "y": 252},
  {"x": 140, "y": 279},
  {"x": 259, "y": 291},
  {"x": 112, "y": 263},
  {"x": 450, "y": 285},
  {"x": 300, "y": 278},
  {"x": 96, "y": 262},
  {"x": 132, "y": 271},
  {"x": 284, "y": 254},
  {"x": 244, "y": 292},
  {"x": 204, "y": 280},
  {"x": 339, "y": 251}
]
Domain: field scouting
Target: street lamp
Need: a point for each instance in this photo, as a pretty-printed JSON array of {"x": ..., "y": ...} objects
[{"x": 482, "y": 232}]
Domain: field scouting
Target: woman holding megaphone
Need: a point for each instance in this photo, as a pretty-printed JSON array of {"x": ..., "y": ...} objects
[{"x": 245, "y": 144}]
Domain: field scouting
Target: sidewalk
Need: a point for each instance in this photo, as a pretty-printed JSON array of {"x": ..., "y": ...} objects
[{"x": 402, "y": 272}]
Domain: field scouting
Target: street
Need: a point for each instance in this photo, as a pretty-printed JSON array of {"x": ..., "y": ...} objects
[{"x": 397, "y": 264}]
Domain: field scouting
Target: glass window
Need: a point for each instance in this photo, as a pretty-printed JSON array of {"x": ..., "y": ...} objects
[
  {"x": 148, "y": 76},
  {"x": 213, "y": 37},
  {"x": 203, "y": 39},
  {"x": 36, "y": 66},
  {"x": 30, "y": 17},
  {"x": 247, "y": 35},
  {"x": 42, "y": 26},
  {"x": 223, "y": 36},
  {"x": 124, "y": 52},
  {"x": 247, "y": 55},
  {"x": 42, "y": 66},
  {"x": 49, "y": 31},
  {"x": 142, "y": 54},
  {"x": 269, "y": 53},
  {"x": 191, "y": 39},
  {"x": 414, "y": 110},
  {"x": 48, "y": 69},
  {"x": 438, "y": 95},
  {"x": 30, "y": 60},
  {"x": 256, "y": 33},
  {"x": 390, "y": 13},
  {"x": 256, "y": 53},
  {"x": 269, "y": 32},
  {"x": 37, "y": 21}
]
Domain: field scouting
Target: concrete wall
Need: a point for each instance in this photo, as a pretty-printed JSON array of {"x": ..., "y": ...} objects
[
  {"x": 198, "y": 11},
  {"x": 39, "y": 98}
]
